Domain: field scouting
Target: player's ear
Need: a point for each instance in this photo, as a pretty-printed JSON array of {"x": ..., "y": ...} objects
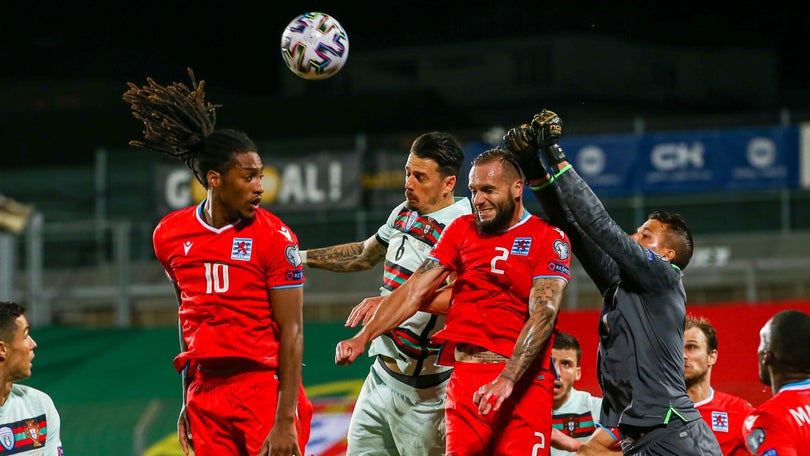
[
  {"x": 450, "y": 183},
  {"x": 214, "y": 178},
  {"x": 3, "y": 350}
]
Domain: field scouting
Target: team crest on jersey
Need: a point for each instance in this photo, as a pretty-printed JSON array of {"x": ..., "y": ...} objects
[
  {"x": 521, "y": 246},
  {"x": 33, "y": 432},
  {"x": 242, "y": 248},
  {"x": 7, "y": 438},
  {"x": 562, "y": 249},
  {"x": 720, "y": 421}
]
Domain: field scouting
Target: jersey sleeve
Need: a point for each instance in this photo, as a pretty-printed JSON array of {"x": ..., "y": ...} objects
[
  {"x": 284, "y": 267},
  {"x": 385, "y": 231},
  {"x": 446, "y": 251},
  {"x": 53, "y": 441},
  {"x": 159, "y": 245},
  {"x": 555, "y": 256},
  {"x": 767, "y": 433}
]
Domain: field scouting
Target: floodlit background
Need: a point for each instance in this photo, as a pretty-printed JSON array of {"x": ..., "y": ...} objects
[{"x": 694, "y": 108}]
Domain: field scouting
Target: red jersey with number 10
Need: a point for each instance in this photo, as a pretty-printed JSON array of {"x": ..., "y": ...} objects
[
  {"x": 225, "y": 276},
  {"x": 490, "y": 301}
]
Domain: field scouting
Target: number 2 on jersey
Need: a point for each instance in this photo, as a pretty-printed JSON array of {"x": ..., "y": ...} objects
[{"x": 495, "y": 259}]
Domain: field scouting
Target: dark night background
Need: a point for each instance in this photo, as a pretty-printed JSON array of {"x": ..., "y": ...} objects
[{"x": 63, "y": 66}]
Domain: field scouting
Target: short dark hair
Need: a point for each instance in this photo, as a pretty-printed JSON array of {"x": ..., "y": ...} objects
[
  {"x": 565, "y": 341},
  {"x": 790, "y": 337},
  {"x": 9, "y": 312},
  {"x": 501, "y": 155},
  {"x": 179, "y": 122},
  {"x": 680, "y": 239},
  {"x": 704, "y": 326},
  {"x": 441, "y": 147}
]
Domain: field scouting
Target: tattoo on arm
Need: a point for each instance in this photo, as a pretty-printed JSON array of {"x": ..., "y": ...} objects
[
  {"x": 351, "y": 257},
  {"x": 544, "y": 301},
  {"x": 428, "y": 265}
]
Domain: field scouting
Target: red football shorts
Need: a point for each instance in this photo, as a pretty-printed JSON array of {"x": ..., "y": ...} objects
[
  {"x": 521, "y": 426},
  {"x": 232, "y": 415}
]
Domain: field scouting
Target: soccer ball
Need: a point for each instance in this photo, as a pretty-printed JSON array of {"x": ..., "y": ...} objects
[{"x": 314, "y": 46}]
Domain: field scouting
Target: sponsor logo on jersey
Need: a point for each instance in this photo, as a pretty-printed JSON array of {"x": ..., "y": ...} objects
[
  {"x": 7, "y": 437},
  {"x": 296, "y": 274},
  {"x": 285, "y": 232},
  {"x": 557, "y": 267},
  {"x": 187, "y": 246},
  {"x": 521, "y": 246},
  {"x": 720, "y": 421},
  {"x": 562, "y": 249},
  {"x": 293, "y": 255},
  {"x": 650, "y": 255},
  {"x": 241, "y": 249},
  {"x": 412, "y": 216}
]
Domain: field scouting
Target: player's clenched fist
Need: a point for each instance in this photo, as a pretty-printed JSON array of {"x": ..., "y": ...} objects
[{"x": 347, "y": 351}]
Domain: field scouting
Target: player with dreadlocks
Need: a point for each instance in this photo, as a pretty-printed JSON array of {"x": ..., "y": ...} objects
[{"x": 238, "y": 279}]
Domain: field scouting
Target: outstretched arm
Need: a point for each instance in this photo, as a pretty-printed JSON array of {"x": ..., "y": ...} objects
[
  {"x": 350, "y": 257},
  {"x": 544, "y": 302},
  {"x": 362, "y": 313},
  {"x": 397, "y": 307}
]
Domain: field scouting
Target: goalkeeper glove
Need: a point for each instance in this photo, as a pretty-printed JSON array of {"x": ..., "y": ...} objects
[
  {"x": 547, "y": 128},
  {"x": 521, "y": 142}
]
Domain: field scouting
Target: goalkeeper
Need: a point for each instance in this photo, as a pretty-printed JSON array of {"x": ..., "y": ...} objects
[{"x": 639, "y": 275}]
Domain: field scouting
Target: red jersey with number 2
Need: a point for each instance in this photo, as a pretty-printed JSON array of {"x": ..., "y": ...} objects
[{"x": 490, "y": 303}]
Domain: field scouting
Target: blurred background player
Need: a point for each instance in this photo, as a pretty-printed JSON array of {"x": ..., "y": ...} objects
[
  {"x": 405, "y": 377},
  {"x": 29, "y": 422},
  {"x": 512, "y": 269},
  {"x": 780, "y": 426},
  {"x": 640, "y": 366},
  {"x": 576, "y": 413},
  {"x": 238, "y": 279},
  {"x": 723, "y": 412}
]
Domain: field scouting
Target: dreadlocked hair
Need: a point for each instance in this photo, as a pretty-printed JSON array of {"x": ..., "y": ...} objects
[{"x": 179, "y": 122}]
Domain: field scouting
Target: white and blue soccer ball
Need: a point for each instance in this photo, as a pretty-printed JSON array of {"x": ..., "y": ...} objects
[{"x": 314, "y": 46}]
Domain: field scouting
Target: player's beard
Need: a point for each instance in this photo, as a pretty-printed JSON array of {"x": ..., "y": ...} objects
[
  {"x": 503, "y": 216},
  {"x": 695, "y": 378}
]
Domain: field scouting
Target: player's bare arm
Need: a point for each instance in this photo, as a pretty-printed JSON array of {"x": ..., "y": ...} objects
[
  {"x": 395, "y": 308},
  {"x": 287, "y": 306},
  {"x": 362, "y": 313},
  {"x": 544, "y": 302},
  {"x": 350, "y": 257},
  {"x": 183, "y": 425}
]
